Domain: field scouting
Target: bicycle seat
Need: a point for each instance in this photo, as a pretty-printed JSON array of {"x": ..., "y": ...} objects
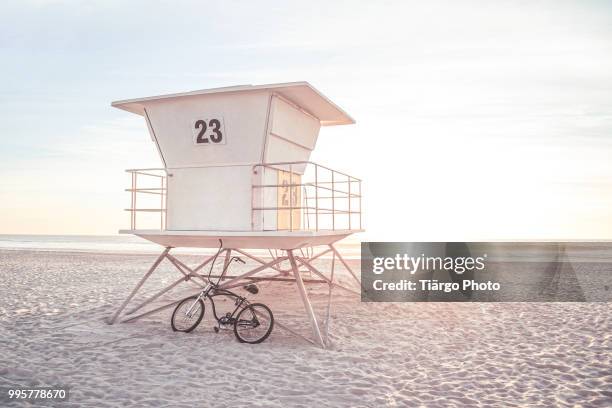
[{"x": 251, "y": 288}]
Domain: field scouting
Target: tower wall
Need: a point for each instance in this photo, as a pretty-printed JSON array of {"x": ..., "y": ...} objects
[{"x": 211, "y": 177}]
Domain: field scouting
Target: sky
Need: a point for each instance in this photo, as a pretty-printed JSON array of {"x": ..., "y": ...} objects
[{"x": 476, "y": 120}]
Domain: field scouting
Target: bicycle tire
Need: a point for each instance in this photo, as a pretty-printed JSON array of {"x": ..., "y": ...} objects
[
  {"x": 187, "y": 301},
  {"x": 251, "y": 308}
]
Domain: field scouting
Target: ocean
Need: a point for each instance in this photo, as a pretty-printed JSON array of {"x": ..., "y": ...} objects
[{"x": 118, "y": 244}]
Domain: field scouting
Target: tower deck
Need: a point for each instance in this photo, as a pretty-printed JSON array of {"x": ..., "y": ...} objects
[{"x": 242, "y": 239}]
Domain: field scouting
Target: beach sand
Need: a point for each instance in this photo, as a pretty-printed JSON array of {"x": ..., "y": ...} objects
[{"x": 53, "y": 307}]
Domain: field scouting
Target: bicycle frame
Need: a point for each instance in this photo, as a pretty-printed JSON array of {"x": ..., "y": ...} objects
[
  {"x": 216, "y": 291},
  {"x": 206, "y": 293},
  {"x": 239, "y": 302}
]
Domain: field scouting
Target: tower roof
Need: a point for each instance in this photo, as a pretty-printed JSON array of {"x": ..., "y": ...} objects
[{"x": 301, "y": 94}]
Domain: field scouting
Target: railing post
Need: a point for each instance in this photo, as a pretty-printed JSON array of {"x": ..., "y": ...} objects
[
  {"x": 290, "y": 197},
  {"x": 349, "y": 202},
  {"x": 161, "y": 205},
  {"x": 166, "y": 178},
  {"x": 133, "y": 204},
  {"x": 333, "y": 201},
  {"x": 316, "y": 197},
  {"x": 359, "y": 204},
  {"x": 253, "y": 178},
  {"x": 135, "y": 198}
]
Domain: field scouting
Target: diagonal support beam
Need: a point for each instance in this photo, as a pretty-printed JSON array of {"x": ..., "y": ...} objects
[
  {"x": 203, "y": 264},
  {"x": 320, "y": 254},
  {"x": 252, "y": 272},
  {"x": 329, "y": 299},
  {"x": 139, "y": 285},
  {"x": 181, "y": 266},
  {"x": 156, "y": 310},
  {"x": 158, "y": 294},
  {"x": 326, "y": 279},
  {"x": 257, "y": 259},
  {"x": 348, "y": 268},
  {"x": 226, "y": 261},
  {"x": 302, "y": 290}
]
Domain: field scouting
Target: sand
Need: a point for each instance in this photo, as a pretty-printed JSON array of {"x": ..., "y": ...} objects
[{"x": 53, "y": 307}]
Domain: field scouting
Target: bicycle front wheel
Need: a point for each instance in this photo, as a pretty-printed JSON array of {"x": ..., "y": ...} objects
[
  {"x": 187, "y": 315},
  {"x": 254, "y": 323}
]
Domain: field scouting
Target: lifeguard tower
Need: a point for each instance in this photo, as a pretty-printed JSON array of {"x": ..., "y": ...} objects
[{"x": 236, "y": 168}]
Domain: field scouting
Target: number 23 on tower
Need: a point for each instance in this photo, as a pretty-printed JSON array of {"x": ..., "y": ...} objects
[{"x": 208, "y": 131}]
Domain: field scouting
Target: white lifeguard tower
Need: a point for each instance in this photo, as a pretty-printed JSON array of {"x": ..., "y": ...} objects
[{"x": 236, "y": 168}]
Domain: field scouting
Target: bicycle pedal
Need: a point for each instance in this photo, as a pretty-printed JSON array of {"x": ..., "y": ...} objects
[{"x": 216, "y": 329}]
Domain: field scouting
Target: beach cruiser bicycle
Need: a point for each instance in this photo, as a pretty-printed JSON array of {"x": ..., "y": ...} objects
[{"x": 252, "y": 322}]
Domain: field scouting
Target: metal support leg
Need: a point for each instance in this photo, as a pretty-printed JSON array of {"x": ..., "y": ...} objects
[
  {"x": 231, "y": 281},
  {"x": 309, "y": 311},
  {"x": 188, "y": 274},
  {"x": 139, "y": 285},
  {"x": 228, "y": 255},
  {"x": 329, "y": 298}
]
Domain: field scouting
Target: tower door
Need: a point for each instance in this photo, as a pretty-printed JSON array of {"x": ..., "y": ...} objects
[{"x": 289, "y": 196}]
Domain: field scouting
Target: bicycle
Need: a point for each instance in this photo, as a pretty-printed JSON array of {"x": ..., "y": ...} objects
[{"x": 252, "y": 322}]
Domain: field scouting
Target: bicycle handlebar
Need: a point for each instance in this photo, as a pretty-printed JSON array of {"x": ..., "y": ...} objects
[{"x": 212, "y": 264}]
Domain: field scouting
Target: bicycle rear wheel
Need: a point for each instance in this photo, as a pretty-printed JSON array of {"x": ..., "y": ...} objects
[
  {"x": 188, "y": 314},
  {"x": 254, "y": 323}
]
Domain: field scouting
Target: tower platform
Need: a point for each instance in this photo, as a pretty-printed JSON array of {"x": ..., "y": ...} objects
[{"x": 242, "y": 239}]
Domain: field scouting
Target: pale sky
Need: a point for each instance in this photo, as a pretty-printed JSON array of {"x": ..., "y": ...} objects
[{"x": 475, "y": 120}]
